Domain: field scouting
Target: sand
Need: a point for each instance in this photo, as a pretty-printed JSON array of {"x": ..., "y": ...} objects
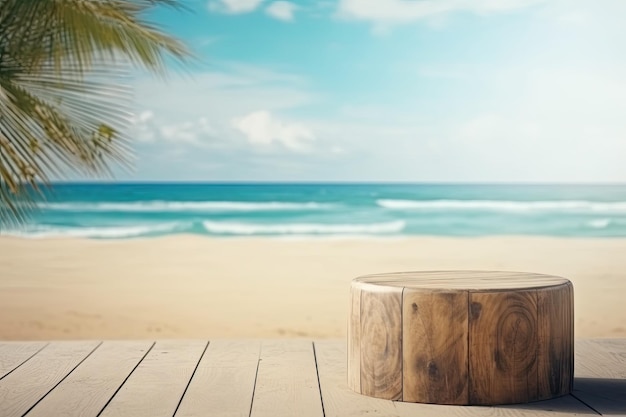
[{"x": 198, "y": 287}]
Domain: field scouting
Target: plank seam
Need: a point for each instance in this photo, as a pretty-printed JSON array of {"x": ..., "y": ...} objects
[
  {"x": 24, "y": 361},
  {"x": 402, "y": 344},
  {"x": 539, "y": 343},
  {"x": 125, "y": 379},
  {"x": 256, "y": 375},
  {"x": 191, "y": 378},
  {"x": 319, "y": 382},
  {"x": 360, "y": 340},
  {"x": 63, "y": 379},
  {"x": 572, "y": 341},
  {"x": 469, "y": 378},
  {"x": 594, "y": 410}
]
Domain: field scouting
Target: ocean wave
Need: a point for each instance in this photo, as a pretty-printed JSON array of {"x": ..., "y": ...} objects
[
  {"x": 234, "y": 228},
  {"x": 504, "y": 205},
  {"x": 599, "y": 223},
  {"x": 104, "y": 232},
  {"x": 161, "y": 205}
]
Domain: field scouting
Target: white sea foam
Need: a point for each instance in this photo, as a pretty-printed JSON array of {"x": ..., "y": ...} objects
[
  {"x": 503, "y": 205},
  {"x": 341, "y": 237},
  {"x": 235, "y": 228},
  {"x": 159, "y": 205},
  {"x": 112, "y": 232},
  {"x": 599, "y": 223}
]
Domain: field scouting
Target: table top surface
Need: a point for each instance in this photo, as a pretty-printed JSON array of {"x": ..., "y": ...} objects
[
  {"x": 462, "y": 280},
  {"x": 251, "y": 378}
]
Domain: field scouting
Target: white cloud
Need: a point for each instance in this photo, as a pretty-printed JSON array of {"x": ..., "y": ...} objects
[
  {"x": 183, "y": 132},
  {"x": 553, "y": 115},
  {"x": 195, "y": 113},
  {"x": 386, "y": 12},
  {"x": 178, "y": 133},
  {"x": 573, "y": 17},
  {"x": 142, "y": 127},
  {"x": 262, "y": 128},
  {"x": 234, "y": 6},
  {"x": 198, "y": 132},
  {"x": 562, "y": 125},
  {"x": 145, "y": 116},
  {"x": 604, "y": 15},
  {"x": 281, "y": 10},
  {"x": 228, "y": 91}
]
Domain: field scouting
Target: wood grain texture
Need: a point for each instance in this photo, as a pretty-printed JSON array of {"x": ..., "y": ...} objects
[
  {"x": 604, "y": 358},
  {"x": 157, "y": 385},
  {"x": 29, "y": 383},
  {"x": 600, "y": 381},
  {"x": 503, "y": 347},
  {"x": 435, "y": 349},
  {"x": 555, "y": 367},
  {"x": 561, "y": 406},
  {"x": 223, "y": 384},
  {"x": 85, "y": 392},
  {"x": 14, "y": 354},
  {"x": 465, "y": 337},
  {"x": 354, "y": 339},
  {"x": 601, "y": 375},
  {"x": 464, "y": 280},
  {"x": 287, "y": 382},
  {"x": 381, "y": 342},
  {"x": 614, "y": 346},
  {"x": 339, "y": 400}
]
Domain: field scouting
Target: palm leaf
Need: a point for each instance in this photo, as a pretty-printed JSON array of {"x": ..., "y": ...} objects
[{"x": 64, "y": 95}]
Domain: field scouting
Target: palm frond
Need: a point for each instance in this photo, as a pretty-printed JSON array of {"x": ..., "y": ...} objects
[
  {"x": 64, "y": 95},
  {"x": 80, "y": 32}
]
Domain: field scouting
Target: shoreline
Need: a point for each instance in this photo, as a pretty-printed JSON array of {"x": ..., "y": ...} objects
[
  {"x": 302, "y": 238},
  {"x": 189, "y": 286}
]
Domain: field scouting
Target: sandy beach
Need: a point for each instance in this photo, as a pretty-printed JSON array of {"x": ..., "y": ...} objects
[{"x": 192, "y": 287}]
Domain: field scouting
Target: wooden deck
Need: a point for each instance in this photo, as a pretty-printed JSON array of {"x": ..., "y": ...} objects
[{"x": 273, "y": 378}]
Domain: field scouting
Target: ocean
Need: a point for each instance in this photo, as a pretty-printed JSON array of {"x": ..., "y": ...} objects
[{"x": 121, "y": 211}]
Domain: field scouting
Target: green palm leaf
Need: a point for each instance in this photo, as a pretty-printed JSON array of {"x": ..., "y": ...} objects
[{"x": 64, "y": 98}]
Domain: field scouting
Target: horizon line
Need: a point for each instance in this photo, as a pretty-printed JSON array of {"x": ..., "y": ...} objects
[{"x": 317, "y": 182}]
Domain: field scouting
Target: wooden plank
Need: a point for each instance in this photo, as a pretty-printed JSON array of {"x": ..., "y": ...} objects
[
  {"x": 555, "y": 359},
  {"x": 503, "y": 347},
  {"x": 435, "y": 346},
  {"x": 86, "y": 391},
  {"x": 562, "y": 406},
  {"x": 601, "y": 375},
  {"x": 29, "y": 383},
  {"x": 606, "y": 358},
  {"x": 339, "y": 401},
  {"x": 381, "y": 341},
  {"x": 14, "y": 354},
  {"x": 615, "y": 346},
  {"x": 156, "y": 387},
  {"x": 287, "y": 382},
  {"x": 223, "y": 383},
  {"x": 354, "y": 339},
  {"x": 600, "y": 359}
]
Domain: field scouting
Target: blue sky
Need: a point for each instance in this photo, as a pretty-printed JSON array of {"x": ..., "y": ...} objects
[{"x": 388, "y": 90}]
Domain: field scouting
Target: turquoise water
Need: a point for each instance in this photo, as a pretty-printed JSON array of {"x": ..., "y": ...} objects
[{"x": 327, "y": 210}]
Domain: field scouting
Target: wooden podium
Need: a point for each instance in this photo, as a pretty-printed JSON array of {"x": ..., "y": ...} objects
[{"x": 461, "y": 337}]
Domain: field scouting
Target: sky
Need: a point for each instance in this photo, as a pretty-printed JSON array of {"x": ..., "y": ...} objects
[{"x": 387, "y": 90}]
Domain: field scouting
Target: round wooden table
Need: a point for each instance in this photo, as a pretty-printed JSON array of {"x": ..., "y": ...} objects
[{"x": 461, "y": 337}]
